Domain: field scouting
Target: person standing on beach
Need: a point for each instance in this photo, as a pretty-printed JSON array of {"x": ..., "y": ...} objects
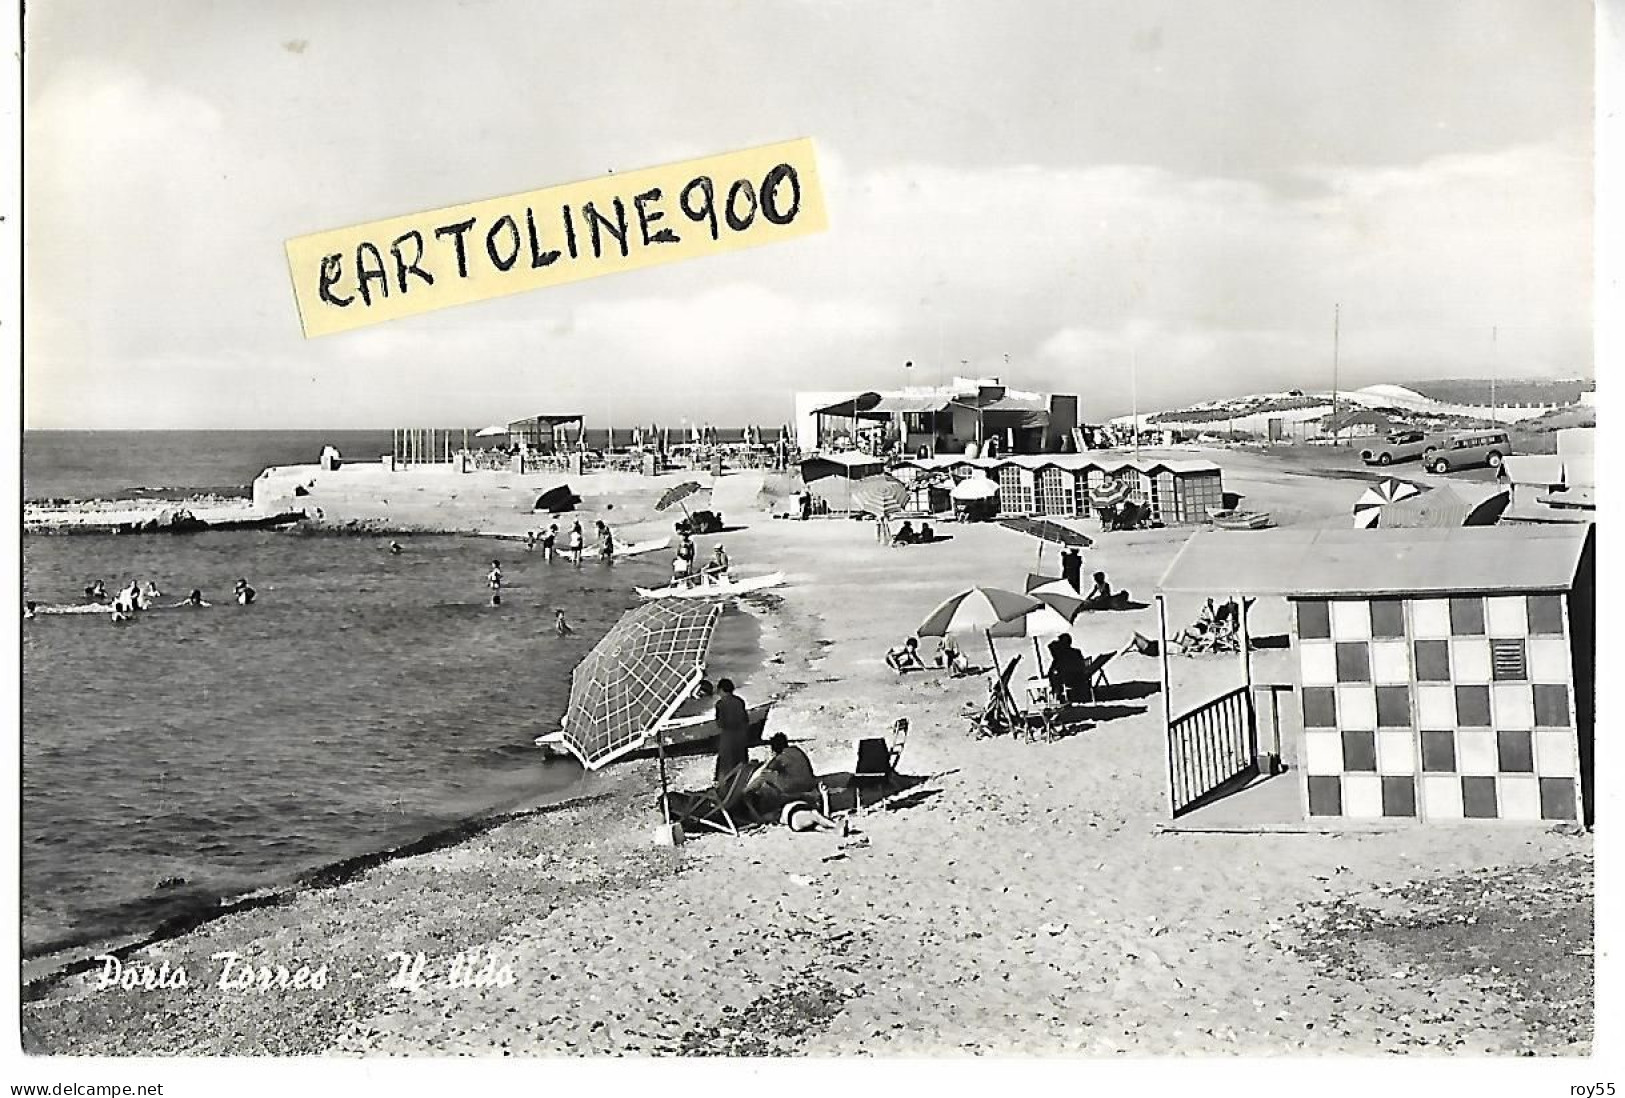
[
  {"x": 606, "y": 541},
  {"x": 806, "y": 505},
  {"x": 1072, "y": 567},
  {"x": 733, "y": 728}
]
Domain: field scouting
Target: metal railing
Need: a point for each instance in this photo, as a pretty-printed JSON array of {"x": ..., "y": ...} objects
[{"x": 1209, "y": 746}]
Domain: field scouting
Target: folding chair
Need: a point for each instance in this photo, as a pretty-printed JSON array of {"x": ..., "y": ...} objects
[
  {"x": 877, "y": 760},
  {"x": 713, "y": 807}
]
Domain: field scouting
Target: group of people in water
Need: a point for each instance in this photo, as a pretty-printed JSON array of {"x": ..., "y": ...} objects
[
  {"x": 136, "y": 596},
  {"x": 575, "y": 542}
]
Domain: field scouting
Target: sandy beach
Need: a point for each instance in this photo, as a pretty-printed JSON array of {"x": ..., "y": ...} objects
[{"x": 1016, "y": 898}]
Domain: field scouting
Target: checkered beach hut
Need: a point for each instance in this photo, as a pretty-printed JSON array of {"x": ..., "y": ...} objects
[{"x": 1441, "y": 674}]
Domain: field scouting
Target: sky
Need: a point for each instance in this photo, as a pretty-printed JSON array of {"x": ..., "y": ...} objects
[{"x": 1161, "y": 200}]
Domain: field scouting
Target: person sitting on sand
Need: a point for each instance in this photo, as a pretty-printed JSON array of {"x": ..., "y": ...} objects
[
  {"x": 717, "y": 569},
  {"x": 906, "y": 658},
  {"x": 560, "y": 626},
  {"x": 1100, "y": 595},
  {"x": 243, "y": 593},
  {"x": 951, "y": 658},
  {"x": 195, "y": 599},
  {"x": 96, "y": 592},
  {"x": 927, "y": 535},
  {"x": 905, "y": 534},
  {"x": 782, "y": 785}
]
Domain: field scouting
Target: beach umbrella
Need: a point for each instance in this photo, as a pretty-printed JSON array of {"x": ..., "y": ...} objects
[
  {"x": 1109, "y": 493},
  {"x": 634, "y": 679},
  {"x": 1047, "y": 532},
  {"x": 1368, "y": 508},
  {"x": 491, "y": 431},
  {"x": 879, "y": 495},
  {"x": 677, "y": 493},
  {"x": 978, "y": 609},
  {"x": 974, "y": 488},
  {"x": 1059, "y": 596}
]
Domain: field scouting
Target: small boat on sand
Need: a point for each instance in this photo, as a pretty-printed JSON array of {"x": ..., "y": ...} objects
[
  {"x": 1232, "y": 519},
  {"x": 713, "y": 589},
  {"x": 694, "y": 722}
]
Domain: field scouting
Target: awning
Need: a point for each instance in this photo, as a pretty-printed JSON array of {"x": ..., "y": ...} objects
[{"x": 1362, "y": 563}]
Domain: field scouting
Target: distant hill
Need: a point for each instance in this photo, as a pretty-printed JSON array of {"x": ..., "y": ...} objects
[
  {"x": 1509, "y": 391},
  {"x": 1454, "y": 403}
]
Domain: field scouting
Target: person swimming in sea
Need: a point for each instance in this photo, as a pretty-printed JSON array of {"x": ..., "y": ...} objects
[
  {"x": 125, "y": 601},
  {"x": 195, "y": 599},
  {"x": 496, "y": 598},
  {"x": 243, "y": 593},
  {"x": 29, "y": 613},
  {"x": 149, "y": 591},
  {"x": 96, "y": 592},
  {"x": 560, "y": 626},
  {"x": 395, "y": 549}
]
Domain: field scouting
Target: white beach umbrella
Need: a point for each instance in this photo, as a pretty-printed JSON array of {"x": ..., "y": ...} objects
[{"x": 489, "y": 432}]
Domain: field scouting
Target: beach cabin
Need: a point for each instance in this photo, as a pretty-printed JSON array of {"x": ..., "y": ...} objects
[
  {"x": 1560, "y": 487},
  {"x": 1429, "y": 675}
]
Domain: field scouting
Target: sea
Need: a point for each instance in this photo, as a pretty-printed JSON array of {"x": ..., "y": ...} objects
[{"x": 366, "y": 700}]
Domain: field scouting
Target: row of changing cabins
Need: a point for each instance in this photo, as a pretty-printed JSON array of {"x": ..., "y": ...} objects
[{"x": 1178, "y": 491}]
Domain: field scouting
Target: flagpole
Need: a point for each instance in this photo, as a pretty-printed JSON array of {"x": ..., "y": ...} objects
[{"x": 1337, "y": 310}]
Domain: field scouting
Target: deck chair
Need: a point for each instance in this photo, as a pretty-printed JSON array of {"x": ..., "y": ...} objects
[
  {"x": 877, "y": 762},
  {"x": 714, "y": 807}
]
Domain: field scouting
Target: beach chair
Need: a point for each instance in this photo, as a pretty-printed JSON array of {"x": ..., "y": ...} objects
[
  {"x": 1003, "y": 713},
  {"x": 715, "y": 807},
  {"x": 877, "y": 762}
]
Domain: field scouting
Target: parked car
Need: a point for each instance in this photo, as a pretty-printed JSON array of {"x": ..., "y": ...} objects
[
  {"x": 1399, "y": 446},
  {"x": 1466, "y": 449}
]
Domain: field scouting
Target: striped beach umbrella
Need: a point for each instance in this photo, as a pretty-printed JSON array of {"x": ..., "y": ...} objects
[
  {"x": 978, "y": 610},
  {"x": 879, "y": 495},
  {"x": 676, "y": 494},
  {"x": 1060, "y": 597},
  {"x": 1368, "y": 508},
  {"x": 1109, "y": 493}
]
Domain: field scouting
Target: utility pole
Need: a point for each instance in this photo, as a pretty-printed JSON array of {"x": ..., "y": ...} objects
[
  {"x": 1495, "y": 417},
  {"x": 1134, "y": 397},
  {"x": 1336, "y": 318}
]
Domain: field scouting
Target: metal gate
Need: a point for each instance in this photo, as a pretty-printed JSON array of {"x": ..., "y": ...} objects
[{"x": 1210, "y": 746}]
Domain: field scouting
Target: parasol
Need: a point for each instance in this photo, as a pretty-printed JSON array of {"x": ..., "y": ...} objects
[
  {"x": 1368, "y": 508},
  {"x": 1109, "y": 493},
  {"x": 677, "y": 493},
  {"x": 1047, "y": 531},
  {"x": 978, "y": 609},
  {"x": 1059, "y": 596},
  {"x": 974, "y": 488},
  {"x": 879, "y": 495},
  {"x": 635, "y": 678},
  {"x": 488, "y": 432}
]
